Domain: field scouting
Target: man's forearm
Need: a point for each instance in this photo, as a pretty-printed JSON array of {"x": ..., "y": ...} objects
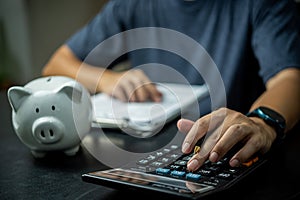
[
  {"x": 64, "y": 63},
  {"x": 283, "y": 96}
]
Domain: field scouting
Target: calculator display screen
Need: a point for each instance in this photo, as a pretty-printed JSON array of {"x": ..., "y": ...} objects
[{"x": 152, "y": 181}]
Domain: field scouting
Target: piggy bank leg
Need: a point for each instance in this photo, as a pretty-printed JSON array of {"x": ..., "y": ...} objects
[
  {"x": 72, "y": 151},
  {"x": 38, "y": 154}
]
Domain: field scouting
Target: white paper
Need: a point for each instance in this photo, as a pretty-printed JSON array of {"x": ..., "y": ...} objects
[{"x": 146, "y": 116}]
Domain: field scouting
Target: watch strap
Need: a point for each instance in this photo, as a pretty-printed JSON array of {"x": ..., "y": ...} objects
[{"x": 272, "y": 118}]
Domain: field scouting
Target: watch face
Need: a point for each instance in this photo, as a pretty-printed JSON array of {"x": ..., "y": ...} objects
[
  {"x": 272, "y": 118},
  {"x": 272, "y": 114}
]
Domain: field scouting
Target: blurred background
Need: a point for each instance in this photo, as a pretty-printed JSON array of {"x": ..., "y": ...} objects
[{"x": 31, "y": 30}]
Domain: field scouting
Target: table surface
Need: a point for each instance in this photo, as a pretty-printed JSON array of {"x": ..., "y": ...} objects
[{"x": 58, "y": 176}]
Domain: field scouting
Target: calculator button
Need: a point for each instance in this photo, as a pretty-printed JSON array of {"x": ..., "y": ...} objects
[
  {"x": 187, "y": 158},
  {"x": 175, "y": 167},
  {"x": 159, "y": 154},
  {"x": 174, "y": 147},
  {"x": 226, "y": 176},
  {"x": 143, "y": 162},
  {"x": 167, "y": 150},
  {"x": 162, "y": 171},
  {"x": 181, "y": 162},
  {"x": 151, "y": 157},
  {"x": 205, "y": 172},
  {"x": 178, "y": 174},
  {"x": 193, "y": 177},
  {"x": 165, "y": 160},
  {"x": 213, "y": 168},
  {"x": 234, "y": 171},
  {"x": 174, "y": 156},
  {"x": 156, "y": 164},
  {"x": 250, "y": 162}
]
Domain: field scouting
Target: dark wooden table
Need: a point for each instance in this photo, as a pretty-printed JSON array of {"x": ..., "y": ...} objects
[{"x": 59, "y": 177}]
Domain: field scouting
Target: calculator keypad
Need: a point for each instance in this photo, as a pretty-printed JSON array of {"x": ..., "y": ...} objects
[{"x": 171, "y": 162}]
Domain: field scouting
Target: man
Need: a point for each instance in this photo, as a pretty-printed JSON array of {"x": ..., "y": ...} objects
[{"x": 254, "y": 44}]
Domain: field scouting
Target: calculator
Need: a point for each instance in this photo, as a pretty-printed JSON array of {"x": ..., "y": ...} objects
[{"x": 164, "y": 171}]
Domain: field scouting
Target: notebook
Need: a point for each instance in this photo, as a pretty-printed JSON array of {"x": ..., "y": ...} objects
[{"x": 144, "y": 118}]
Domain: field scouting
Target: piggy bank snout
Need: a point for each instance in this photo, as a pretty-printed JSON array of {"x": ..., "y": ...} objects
[{"x": 47, "y": 130}]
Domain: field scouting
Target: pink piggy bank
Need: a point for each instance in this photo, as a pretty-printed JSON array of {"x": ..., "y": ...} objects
[{"x": 51, "y": 114}]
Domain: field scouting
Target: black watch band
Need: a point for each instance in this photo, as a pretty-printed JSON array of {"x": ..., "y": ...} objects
[{"x": 271, "y": 118}]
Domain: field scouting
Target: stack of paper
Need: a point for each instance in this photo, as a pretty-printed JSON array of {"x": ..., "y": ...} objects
[{"x": 144, "y": 118}]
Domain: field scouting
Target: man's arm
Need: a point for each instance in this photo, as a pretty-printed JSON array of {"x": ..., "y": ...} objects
[
  {"x": 132, "y": 85},
  {"x": 63, "y": 62},
  {"x": 230, "y": 127},
  {"x": 283, "y": 95}
]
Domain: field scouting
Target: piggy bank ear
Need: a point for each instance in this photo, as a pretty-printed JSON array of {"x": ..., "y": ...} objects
[
  {"x": 16, "y": 96},
  {"x": 72, "y": 90}
]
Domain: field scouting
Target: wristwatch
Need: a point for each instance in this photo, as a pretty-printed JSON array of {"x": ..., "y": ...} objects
[{"x": 271, "y": 118}]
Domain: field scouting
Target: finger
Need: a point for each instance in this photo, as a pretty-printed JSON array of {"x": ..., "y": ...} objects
[
  {"x": 197, "y": 131},
  {"x": 195, "y": 162},
  {"x": 119, "y": 94},
  {"x": 123, "y": 88},
  {"x": 141, "y": 93},
  {"x": 150, "y": 88},
  {"x": 250, "y": 148},
  {"x": 232, "y": 136},
  {"x": 129, "y": 84},
  {"x": 208, "y": 124},
  {"x": 184, "y": 125},
  {"x": 213, "y": 126},
  {"x": 139, "y": 84},
  {"x": 209, "y": 142},
  {"x": 215, "y": 130},
  {"x": 217, "y": 119},
  {"x": 210, "y": 148},
  {"x": 128, "y": 90},
  {"x": 153, "y": 93}
]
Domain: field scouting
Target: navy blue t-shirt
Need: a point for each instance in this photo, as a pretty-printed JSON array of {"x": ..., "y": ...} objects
[{"x": 249, "y": 41}]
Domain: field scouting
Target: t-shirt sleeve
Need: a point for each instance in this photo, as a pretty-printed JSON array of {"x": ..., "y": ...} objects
[
  {"x": 105, "y": 24},
  {"x": 276, "y": 36}
]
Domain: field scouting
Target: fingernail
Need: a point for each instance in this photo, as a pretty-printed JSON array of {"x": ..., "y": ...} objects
[
  {"x": 234, "y": 163},
  {"x": 185, "y": 147},
  {"x": 213, "y": 157},
  {"x": 192, "y": 166},
  {"x": 179, "y": 123}
]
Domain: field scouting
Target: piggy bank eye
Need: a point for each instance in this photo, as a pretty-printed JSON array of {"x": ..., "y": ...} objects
[
  {"x": 53, "y": 108},
  {"x": 37, "y": 110}
]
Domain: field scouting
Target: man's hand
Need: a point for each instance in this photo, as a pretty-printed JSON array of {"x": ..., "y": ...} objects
[
  {"x": 132, "y": 85},
  {"x": 223, "y": 129}
]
